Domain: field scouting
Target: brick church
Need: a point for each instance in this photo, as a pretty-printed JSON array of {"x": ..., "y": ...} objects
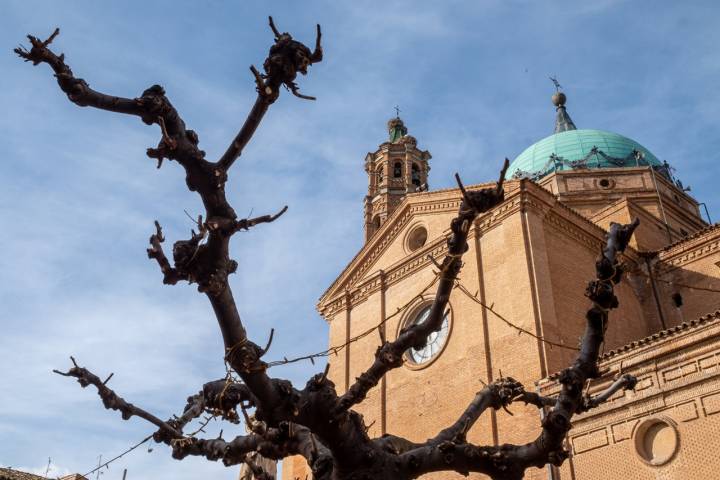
[{"x": 519, "y": 307}]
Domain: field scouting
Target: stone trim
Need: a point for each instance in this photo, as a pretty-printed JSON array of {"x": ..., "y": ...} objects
[
  {"x": 695, "y": 247},
  {"x": 668, "y": 365},
  {"x": 411, "y": 204},
  {"x": 367, "y": 255},
  {"x": 529, "y": 196}
]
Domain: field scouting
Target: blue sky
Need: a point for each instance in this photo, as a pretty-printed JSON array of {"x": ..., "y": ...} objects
[{"x": 78, "y": 196}]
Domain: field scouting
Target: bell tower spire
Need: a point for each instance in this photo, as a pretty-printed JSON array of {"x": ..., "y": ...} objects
[{"x": 395, "y": 169}]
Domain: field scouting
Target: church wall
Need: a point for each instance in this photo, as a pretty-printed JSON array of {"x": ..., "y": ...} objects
[
  {"x": 530, "y": 259},
  {"x": 679, "y": 385},
  {"x": 507, "y": 288},
  {"x": 364, "y": 316},
  {"x": 295, "y": 467},
  {"x": 695, "y": 263},
  {"x": 571, "y": 264},
  {"x": 338, "y": 336}
]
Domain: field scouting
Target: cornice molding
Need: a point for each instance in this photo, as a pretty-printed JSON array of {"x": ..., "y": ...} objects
[
  {"x": 408, "y": 266},
  {"x": 592, "y": 241},
  {"x": 689, "y": 255},
  {"x": 693, "y": 248},
  {"x": 528, "y": 197},
  {"x": 410, "y": 206}
]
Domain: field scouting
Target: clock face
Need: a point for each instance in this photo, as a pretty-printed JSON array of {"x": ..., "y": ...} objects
[{"x": 435, "y": 341}]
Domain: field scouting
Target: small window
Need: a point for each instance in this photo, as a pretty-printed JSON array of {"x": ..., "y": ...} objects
[
  {"x": 656, "y": 441},
  {"x": 677, "y": 299},
  {"x": 416, "y": 238},
  {"x": 379, "y": 175},
  {"x": 415, "y": 173},
  {"x": 397, "y": 170},
  {"x": 376, "y": 222},
  {"x": 605, "y": 183}
]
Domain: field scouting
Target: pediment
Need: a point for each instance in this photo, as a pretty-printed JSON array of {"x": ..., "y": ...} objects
[{"x": 388, "y": 247}]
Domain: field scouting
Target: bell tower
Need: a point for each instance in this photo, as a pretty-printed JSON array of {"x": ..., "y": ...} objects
[{"x": 395, "y": 169}]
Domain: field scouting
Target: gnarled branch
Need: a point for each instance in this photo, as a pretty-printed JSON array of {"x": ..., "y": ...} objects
[
  {"x": 112, "y": 401},
  {"x": 499, "y": 394},
  {"x": 622, "y": 382},
  {"x": 286, "y": 59},
  {"x": 390, "y": 354}
]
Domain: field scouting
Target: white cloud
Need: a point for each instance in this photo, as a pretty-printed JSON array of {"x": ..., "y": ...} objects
[{"x": 78, "y": 196}]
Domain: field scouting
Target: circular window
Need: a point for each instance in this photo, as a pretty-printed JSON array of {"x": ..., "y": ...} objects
[
  {"x": 656, "y": 441},
  {"x": 435, "y": 341},
  {"x": 416, "y": 238},
  {"x": 606, "y": 183}
]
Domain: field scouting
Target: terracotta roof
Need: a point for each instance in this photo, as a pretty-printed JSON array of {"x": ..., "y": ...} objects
[
  {"x": 9, "y": 474},
  {"x": 657, "y": 336},
  {"x": 668, "y": 332},
  {"x": 692, "y": 236}
]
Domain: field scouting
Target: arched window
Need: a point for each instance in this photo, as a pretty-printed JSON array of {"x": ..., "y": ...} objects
[
  {"x": 397, "y": 170},
  {"x": 379, "y": 174},
  {"x": 415, "y": 175},
  {"x": 376, "y": 222}
]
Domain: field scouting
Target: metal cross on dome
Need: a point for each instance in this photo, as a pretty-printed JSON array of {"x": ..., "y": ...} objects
[
  {"x": 397, "y": 111},
  {"x": 556, "y": 83}
]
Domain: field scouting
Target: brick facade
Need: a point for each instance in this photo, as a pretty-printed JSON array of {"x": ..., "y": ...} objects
[{"x": 530, "y": 259}]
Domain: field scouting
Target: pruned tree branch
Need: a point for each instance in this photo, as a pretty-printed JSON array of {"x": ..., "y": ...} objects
[
  {"x": 286, "y": 59},
  {"x": 532, "y": 398},
  {"x": 112, "y": 401},
  {"x": 247, "y": 223},
  {"x": 170, "y": 275},
  {"x": 275, "y": 443},
  {"x": 390, "y": 354},
  {"x": 316, "y": 422},
  {"x": 498, "y": 394},
  {"x": 623, "y": 382}
]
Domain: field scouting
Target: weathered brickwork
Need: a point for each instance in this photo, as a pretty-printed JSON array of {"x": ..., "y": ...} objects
[{"x": 679, "y": 386}]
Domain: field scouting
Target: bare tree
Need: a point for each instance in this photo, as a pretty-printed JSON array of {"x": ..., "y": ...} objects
[{"x": 315, "y": 421}]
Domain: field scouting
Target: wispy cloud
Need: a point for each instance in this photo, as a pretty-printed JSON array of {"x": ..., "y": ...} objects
[{"x": 78, "y": 196}]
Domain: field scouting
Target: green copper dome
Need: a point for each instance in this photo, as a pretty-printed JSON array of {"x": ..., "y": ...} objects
[{"x": 584, "y": 148}]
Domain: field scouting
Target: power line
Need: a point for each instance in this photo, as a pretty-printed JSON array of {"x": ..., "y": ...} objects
[
  {"x": 339, "y": 348},
  {"x": 119, "y": 456},
  {"x": 678, "y": 284},
  {"x": 520, "y": 330}
]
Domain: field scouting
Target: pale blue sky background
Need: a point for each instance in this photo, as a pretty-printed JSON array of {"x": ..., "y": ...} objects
[{"x": 78, "y": 196}]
